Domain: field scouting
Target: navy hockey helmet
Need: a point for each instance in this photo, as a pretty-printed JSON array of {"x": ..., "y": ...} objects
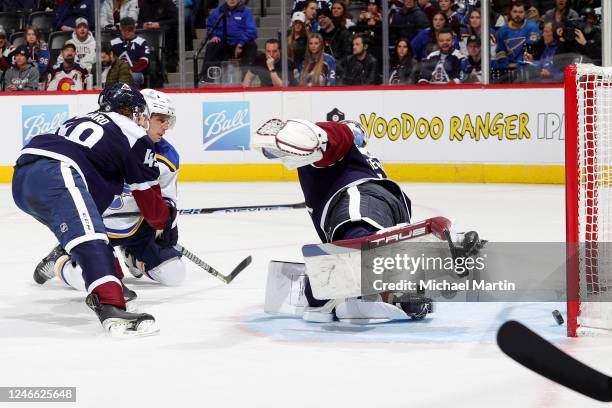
[
  {"x": 120, "y": 96},
  {"x": 361, "y": 136}
]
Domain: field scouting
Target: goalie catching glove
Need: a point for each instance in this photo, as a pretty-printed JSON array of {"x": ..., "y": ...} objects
[{"x": 295, "y": 142}]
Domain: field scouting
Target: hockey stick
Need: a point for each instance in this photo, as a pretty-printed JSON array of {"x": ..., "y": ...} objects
[
  {"x": 213, "y": 210},
  {"x": 225, "y": 278},
  {"x": 537, "y": 354}
]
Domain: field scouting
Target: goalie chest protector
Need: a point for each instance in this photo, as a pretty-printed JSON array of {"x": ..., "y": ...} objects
[{"x": 321, "y": 184}]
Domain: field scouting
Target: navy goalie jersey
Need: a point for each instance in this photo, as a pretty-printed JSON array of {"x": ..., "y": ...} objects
[
  {"x": 343, "y": 165},
  {"x": 106, "y": 149}
]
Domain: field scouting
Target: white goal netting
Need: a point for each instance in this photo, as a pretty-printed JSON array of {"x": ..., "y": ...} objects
[{"x": 594, "y": 194}]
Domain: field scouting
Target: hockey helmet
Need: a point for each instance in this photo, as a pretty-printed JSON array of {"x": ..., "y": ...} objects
[
  {"x": 122, "y": 96},
  {"x": 361, "y": 136},
  {"x": 160, "y": 103}
]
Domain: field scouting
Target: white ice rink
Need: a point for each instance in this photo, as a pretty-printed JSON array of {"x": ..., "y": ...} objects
[{"x": 216, "y": 348}]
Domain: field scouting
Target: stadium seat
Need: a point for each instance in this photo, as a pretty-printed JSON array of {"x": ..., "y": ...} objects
[
  {"x": 43, "y": 20},
  {"x": 57, "y": 40},
  {"x": 10, "y": 21},
  {"x": 17, "y": 38}
]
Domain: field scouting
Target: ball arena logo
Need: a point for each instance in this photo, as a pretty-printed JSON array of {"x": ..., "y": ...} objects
[
  {"x": 226, "y": 125},
  {"x": 39, "y": 119}
]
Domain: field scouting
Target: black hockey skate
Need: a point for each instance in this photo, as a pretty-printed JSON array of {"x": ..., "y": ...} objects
[
  {"x": 416, "y": 306},
  {"x": 119, "y": 323},
  {"x": 128, "y": 294},
  {"x": 44, "y": 270}
]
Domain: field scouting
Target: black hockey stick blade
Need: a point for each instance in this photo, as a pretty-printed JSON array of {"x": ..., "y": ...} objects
[
  {"x": 225, "y": 278},
  {"x": 534, "y": 352}
]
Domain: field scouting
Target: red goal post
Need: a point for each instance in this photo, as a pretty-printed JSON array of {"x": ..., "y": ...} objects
[{"x": 588, "y": 169}]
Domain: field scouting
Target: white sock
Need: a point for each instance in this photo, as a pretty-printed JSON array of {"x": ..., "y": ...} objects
[{"x": 70, "y": 273}]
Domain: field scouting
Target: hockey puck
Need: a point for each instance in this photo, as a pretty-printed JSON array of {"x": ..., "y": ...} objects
[{"x": 558, "y": 318}]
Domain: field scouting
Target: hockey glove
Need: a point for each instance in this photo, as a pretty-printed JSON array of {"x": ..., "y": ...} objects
[{"x": 169, "y": 236}]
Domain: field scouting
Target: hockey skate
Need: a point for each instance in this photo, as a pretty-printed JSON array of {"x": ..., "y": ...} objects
[
  {"x": 45, "y": 268},
  {"x": 119, "y": 323}
]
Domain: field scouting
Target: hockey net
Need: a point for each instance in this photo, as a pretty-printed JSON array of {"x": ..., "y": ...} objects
[{"x": 588, "y": 141}]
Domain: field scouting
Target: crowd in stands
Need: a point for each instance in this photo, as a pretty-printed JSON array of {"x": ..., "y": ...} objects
[{"x": 330, "y": 42}]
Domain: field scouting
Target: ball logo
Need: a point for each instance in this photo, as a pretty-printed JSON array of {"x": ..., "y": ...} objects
[
  {"x": 226, "y": 125},
  {"x": 39, "y": 119}
]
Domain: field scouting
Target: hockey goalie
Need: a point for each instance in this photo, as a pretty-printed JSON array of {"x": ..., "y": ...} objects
[{"x": 354, "y": 208}]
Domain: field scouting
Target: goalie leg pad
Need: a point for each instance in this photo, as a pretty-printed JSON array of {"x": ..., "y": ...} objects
[{"x": 285, "y": 289}]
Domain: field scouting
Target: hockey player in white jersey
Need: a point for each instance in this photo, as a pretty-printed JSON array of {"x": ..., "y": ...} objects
[
  {"x": 349, "y": 197},
  {"x": 140, "y": 245}
]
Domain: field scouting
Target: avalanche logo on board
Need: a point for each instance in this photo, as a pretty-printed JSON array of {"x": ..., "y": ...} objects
[
  {"x": 226, "y": 125},
  {"x": 39, "y": 119}
]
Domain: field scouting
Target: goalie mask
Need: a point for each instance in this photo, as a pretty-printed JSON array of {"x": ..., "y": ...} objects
[{"x": 359, "y": 132}]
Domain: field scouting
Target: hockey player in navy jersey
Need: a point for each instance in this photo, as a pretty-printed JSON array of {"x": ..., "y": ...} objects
[
  {"x": 67, "y": 179},
  {"x": 143, "y": 253}
]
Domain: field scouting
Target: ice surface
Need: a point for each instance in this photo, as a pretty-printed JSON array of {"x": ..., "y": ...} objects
[{"x": 217, "y": 348}]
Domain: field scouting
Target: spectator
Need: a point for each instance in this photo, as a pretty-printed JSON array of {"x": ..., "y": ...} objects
[
  {"x": 444, "y": 65},
  {"x": 300, "y": 5},
  {"x": 561, "y": 12},
  {"x": 113, "y": 11},
  {"x": 233, "y": 38},
  {"x": 592, "y": 33},
  {"x": 5, "y": 50},
  {"x": 268, "y": 68},
  {"x": 403, "y": 66},
  {"x": 337, "y": 39},
  {"x": 85, "y": 45},
  {"x": 426, "y": 40},
  {"x": 428, "y": 8},
  {"x": 298, "y": 37},
  {"x": 22, "y": 75},
  {"x": 409, "y": 20},
  {"x": 542, "y": 56},
  {"x": 372, "y": 16},
  {"x": 531, "y": 12},
  {"x": 454, "y": 18},
  {"x": 473, "y": 28},
  {"x": 162, "y": 15},
  {"x": 68, "y": 12},
  {"x": 68, "y": 75},
  {"x": 341, "y": 16},
  {"x": 471, "y": 67},
  {"x": 359, "y": 68},
  {"x": 113, "y": 69},
  {"x": 514, "y": 36},
  {"x": 132, "y": 49},
  {"x": 311, "y": 8},
  {"x": 318, "y": 68},
  {"x": 38, "y": 52}
]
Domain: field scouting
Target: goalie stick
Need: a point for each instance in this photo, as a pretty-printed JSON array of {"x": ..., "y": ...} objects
[
  {"x": 225, "y": 278},
  {"x": 534, "y": 352},
  {"x": 213, "y": 210}
]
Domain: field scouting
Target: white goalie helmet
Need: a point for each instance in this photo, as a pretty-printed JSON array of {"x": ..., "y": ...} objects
[{"x": 159, "y": 102}]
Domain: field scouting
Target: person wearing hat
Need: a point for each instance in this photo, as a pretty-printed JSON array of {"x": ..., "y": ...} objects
[
  {"x": 297, "y": 38},
  {"x": 471, "y": 67},
  {"x": 70, "y": 10},
  {"x": 113, "y": 11},
  {"x": 23, "y": 75},
  {"x": 67, "y": 75},
  {"x": 85, "y": 45},
  {"x": 372, "y": 16},
  {"x": 337, "y": 39},
  {"x": 133, "y": 49}
]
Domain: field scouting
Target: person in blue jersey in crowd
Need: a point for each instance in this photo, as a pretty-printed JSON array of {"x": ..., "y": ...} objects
[
  {"x": 67, "y": 179},
  {"x": 143, "y": 253},
  {"x": 514, "y": 38}
]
